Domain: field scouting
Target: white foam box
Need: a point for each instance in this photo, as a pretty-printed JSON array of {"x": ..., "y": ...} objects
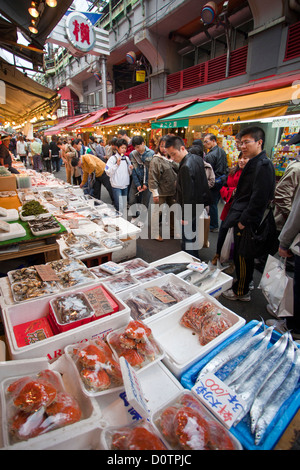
[
  {"x": 222, "y": 283},
  {"x": 127, "y": 252},
  {"x": 83, "y": 435},
  {"x": 160, "y": 282},
  {"x": 158, "y": 385},
  {"x": 181, "y": 345},
  {"x": 51, "y": 348}
]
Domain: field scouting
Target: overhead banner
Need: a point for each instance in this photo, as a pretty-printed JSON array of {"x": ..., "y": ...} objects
[{"x": 170, "y": 124}]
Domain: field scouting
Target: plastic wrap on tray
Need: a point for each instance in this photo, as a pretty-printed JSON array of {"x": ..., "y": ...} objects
[
  {"x": 148, "y": 274},
  {"x": 136, "y": 344},
  {"x": 74, "y": 251},
  {"x": 142, "y": 305},
  {"x": 98, "y": 370},
  {"x": 186, "y": 425},
  {"x": 134, "y": 265},
  {"x": 73, "y": 278},
  {"x": 33, "y": 288},
  {"x": 71, "y": 308},
  {"x": 136, "y": 436},
  {"x": 71, "y": 239},
  {"x": 207, "y": 320},
  {"x": 120, "y": 281},
  {"x": 62, "y": 265},
  {"x": 99, "y": 272},
  {"x": 111, "y": 243},
  {"x": 176, "y": 291},
  {"x": 35, "y": 405}
]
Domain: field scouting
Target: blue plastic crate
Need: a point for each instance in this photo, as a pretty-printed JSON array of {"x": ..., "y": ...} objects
[{"x": 242, "y": 430}]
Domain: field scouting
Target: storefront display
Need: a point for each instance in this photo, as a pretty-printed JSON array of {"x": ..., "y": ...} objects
[{"x": 283, "y": 153}]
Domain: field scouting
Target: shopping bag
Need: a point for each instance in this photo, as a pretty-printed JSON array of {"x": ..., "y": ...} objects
[
  {"x": 286, "y": 307},
  {"x": 274, "y": 281},
  {"x": 226, "y": 248},
  {"x": 206, "y": 229}
]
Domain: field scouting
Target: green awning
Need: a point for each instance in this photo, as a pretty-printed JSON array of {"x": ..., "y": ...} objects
[{"x": 181, "y": 118}]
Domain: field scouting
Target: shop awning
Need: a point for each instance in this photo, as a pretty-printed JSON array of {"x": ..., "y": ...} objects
[
  {"x": 270, "y": 103},
  {"x": 146, "y": 114},
  {"x": 63, "y": 125},
  {"x": 89, "y": 121},
  {"x": 23, "y": 98},
  {"x": 181, "y": 118}
]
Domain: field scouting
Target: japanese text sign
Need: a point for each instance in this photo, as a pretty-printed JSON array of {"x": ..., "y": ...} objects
[
  {"x": 219, "y": 399},
  {"x": 80, "y": 32},
  {"x": 134, "y": 392}
]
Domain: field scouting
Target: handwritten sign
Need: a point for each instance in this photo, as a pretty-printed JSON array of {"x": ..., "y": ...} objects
[
  {"x": 134, "y": 391},
  {"x": 219, "y": 399},
  {"x": 46, "y": 273},
  {"x": 161, "y": 295}
]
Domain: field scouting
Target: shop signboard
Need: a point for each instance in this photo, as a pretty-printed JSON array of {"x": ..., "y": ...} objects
[
  {"x": 170, "y": 124},
  {"x": 80, "y": 32},
  {"x": 286, "y": 122}
]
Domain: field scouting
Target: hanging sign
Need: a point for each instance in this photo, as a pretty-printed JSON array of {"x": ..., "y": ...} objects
[
  {"x": 80, "y": 32},
  {"x": 140, "y": 75}
]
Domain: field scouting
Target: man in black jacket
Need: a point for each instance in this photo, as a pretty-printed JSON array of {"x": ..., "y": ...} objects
[
  {"x": 254, "y": 192},
  {"x": 192, "y": 191},
  {"x": 216, "y": 157}
]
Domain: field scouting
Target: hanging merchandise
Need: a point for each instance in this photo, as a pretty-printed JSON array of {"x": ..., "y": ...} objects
[{"x": 131, "y": 57}]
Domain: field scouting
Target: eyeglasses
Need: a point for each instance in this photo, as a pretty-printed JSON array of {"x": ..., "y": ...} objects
[{"x": 246, "y": 142}]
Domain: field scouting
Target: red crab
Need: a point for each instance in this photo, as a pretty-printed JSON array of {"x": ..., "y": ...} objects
[
  {"x": 137, "y": 331},
  {"x": 27, "y": 425},
  {"x": 64, "y": 410},
  {"x": 133, "y": 357},
  {"x": 191, "y": 430},
  {"x": 95, "y": 380},
  {"x": 35, "y": 394},
  {"x": 90, "y": 356},
  {"x": 138, "y": 438}
]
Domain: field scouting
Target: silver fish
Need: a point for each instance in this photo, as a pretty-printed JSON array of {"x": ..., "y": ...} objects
[
  {"x": 231, "y": 351},
  {"x": 174, "y": 268},
  {"x": 278, "y": 376},
  {"x": 252, "y": 358},
  {"x": 255, "y": 376},
  {"x": 277, "y": 399}
]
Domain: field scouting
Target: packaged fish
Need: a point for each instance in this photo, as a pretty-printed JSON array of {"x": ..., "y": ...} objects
[
  {"x": 62, "y": 265},
  {"x": 32, "y": 289},
  {"x": 99, "y": 372},
  {"x": 120, "y": 282},
  {"x": 185, "y": 424},
  {"x": 140, "y": 435},
  {"x": 111, "y": 243},
  {"x": 99, "y": 272},
  {"x": 148, "y": 274},
  {"x": 73, "y": 278},
  {"x": 134, "y": 265},
  {"x": 136, "y": 344},
  {"x": 142, "y": 305},
  {"x": 36, "y": 404},
  {"x": 23, "y": 274}
]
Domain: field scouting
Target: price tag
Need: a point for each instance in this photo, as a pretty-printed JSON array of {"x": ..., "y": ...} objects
[
  {"x": 161, "y": 295},
  {"x": 225, "y": 404},
  {"x": 198, "y": 267},
  {"x": 46, "y": 273},
  {"x": 133, "y": 388}
]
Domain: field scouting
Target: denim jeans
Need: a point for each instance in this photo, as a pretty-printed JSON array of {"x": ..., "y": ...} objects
[{"x": 120, "y": 198}]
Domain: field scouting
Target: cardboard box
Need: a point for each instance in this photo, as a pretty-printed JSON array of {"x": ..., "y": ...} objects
[{"x": 8, "y": 183}]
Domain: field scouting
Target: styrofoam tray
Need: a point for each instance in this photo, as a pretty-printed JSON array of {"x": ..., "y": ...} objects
[
  {"x": 53, "y": 347},
  {"x": 11, "y": 215},
  {"x": 16, "y": 231},
  {"x": 242, "y": 430},
  {"x": 181, "y": 345},
  {"x": 67, "y": 436},
  {"x": 32, "y": 217},
  {"x": 161, "y": 281}
]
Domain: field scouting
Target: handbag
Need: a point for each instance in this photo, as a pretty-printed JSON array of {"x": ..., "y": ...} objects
[{"x": 261, "y": 241}]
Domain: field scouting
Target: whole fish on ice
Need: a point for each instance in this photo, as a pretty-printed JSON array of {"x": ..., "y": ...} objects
[
  {"x": 249, "y": 383},
  {"x": 277, "y": 399},
  {"x": 252, "y": 358},
  {"x": 278, "y": 376},
  {"x": 231, "y": 351}
]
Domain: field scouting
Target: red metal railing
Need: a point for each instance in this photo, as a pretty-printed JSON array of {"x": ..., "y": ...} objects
[
  {"x": 293, "y": 42},
  {"x": 133, "y": 94},
  {"x": 211, "y": 71}
]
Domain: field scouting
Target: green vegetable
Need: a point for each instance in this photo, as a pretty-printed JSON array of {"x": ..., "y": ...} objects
[{"x": 32, "y": 208}]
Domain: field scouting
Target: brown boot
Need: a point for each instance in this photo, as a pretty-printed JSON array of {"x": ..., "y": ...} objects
[{"x": 215, "y": 259}]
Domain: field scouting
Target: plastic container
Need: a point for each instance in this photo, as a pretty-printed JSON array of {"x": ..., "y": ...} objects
[
  {"x": 136, "y": 344},
  {"x": 140, "y": 435},
  {"x": 35, "y": 227},
  {"x": 16, "y": 231},
  {"x": 10, "y": 216},
  {"x": 181, "y": 344},
  {"x": 152, "y": 307},
  {"x": 84, "y": 434},
  {"x": 52, "y": 348},
  {"x": 63, "y": 308},
  {"x": 96, "y": 369},
  {"x": 196, "y": 428},
  {"x": 242, "y": 430},
  {"x": 134, "y": 265},
  {"x": 120, "y": 282}
]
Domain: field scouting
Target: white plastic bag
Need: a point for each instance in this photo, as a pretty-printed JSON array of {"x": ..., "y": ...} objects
[
  {"x": 274, "y": 283},
  {"x": 226, "y": 248}
]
